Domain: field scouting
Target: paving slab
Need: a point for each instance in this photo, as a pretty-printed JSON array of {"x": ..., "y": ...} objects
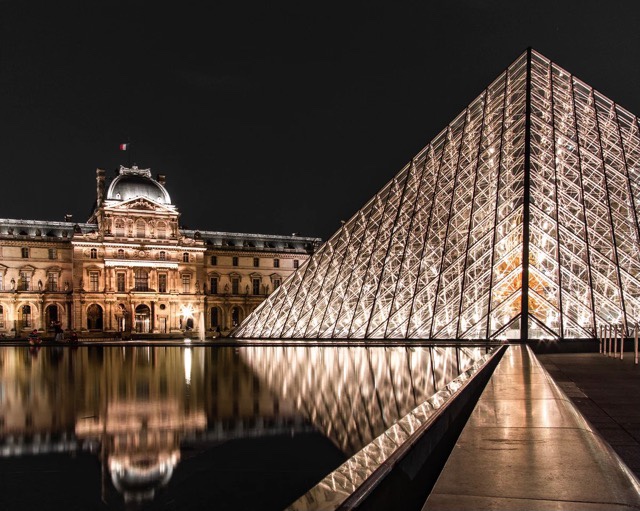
[{"x": 527, "y": 446}]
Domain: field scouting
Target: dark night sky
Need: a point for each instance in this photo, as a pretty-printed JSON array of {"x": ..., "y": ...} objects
[{"x": 271, "y": 117}]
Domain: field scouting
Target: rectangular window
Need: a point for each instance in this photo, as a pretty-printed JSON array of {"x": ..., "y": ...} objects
[
  {"x": 25, "y": 281},
  {"x": 276, "y": 263},
  {"x": 53, "y": 253},
  {"x": 1, "y": 283},
  {"x": 234, "y": 261},
  {"x": 186, "y": 283},
  {"x": 296, "y": 263},
  {"x": 256, "y": 262},
  {"x": 235, "y": 286},
  {"x": 52, "y": 282},
  {"x": 185, "y": 257},
  {"x": 276, "y": 284},
  {"x": 162, "y": 282},
  {"x": 1, "y": 317},
  {"x": 214, "y": 285},
  {"x": 120, "y": 282},
  {"x": 141, "y": 280},
  {"x": 256, "y": 286},
  {"x": 93, "y": 281},
  {"x": 214, "y": 260},
  {"x": 25, "y": 253}
]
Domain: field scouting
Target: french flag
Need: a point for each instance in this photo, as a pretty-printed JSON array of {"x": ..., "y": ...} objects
[{"x": 124, "y": 147}]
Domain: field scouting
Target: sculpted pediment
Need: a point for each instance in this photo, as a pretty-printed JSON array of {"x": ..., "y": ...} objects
[{"x": 141, "y": 204}]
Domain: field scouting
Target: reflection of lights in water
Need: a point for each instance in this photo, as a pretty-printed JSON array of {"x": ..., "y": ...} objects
[
  {"x": 138, "y": 476},
  {"x": 187, "y": 366}
]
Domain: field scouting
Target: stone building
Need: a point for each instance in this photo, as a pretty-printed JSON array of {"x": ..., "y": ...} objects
[{"x": 132, "y": 268}]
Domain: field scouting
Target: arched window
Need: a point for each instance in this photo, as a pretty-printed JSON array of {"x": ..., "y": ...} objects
[
  {"x": 94, "y": 253},
  {"x": 142, "y": 280},
  {"x": 161, "y": 230},
  {"x": 141, "y": 227},
  {"x": 216, "y": 318},
  {"x": 119, "y": 227},
  {"x": 185, "y": 257},
  {"x": 26, "y": 315},
  {"x": 94, "y": 317},
  {"x": 162, "y": 256}
]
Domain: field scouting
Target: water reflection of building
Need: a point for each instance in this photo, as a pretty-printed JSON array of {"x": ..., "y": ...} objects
[
  {"x": 132, "y": 267},
  {"x": 134, "y": 407}
]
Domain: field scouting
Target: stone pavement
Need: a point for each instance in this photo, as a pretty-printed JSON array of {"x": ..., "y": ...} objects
[
  {"x": 607, "y": 392},
  {"x": 527, "y": 448}
]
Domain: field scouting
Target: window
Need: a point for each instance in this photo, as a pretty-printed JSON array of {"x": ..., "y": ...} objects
[
  {"x": 276, "y": 284},
  {"x": 93, "y": 281},
  {"x": 256, "y": 262},
  {"x": 94, "y": 253},
  {"x": 1, "y": 317},
  {"x": 162, "y": 282},
  {"x": 276, "y": 263},
  {"x": 25, "y": 281},
  {"x": 162, "y": 255},
  {"x": 120, "y": 282},
  {"x": 256, "y": 286},
  {"x": 235, "y": 286},
  {"x": 52, "y": 281},
  {"x": 214, "y": 260},
  {"x": 26, "y": 315},
  {"x": 120, "y": 253},
  {"x": 25, "y": 253},
  {"x": 214, "y": 285},
  {"x": 215, "y": 317},
  {"x": 185, "y": 257},
  {"x": 296, "y": 263},
  {"x": 234, "y": 261},
  {"x": 119, "y": 227},
  {"x": 161, "y": 230},
  {"x": 53, "y": 253},
  {"x": 1, "y": 283},
  {"x": 186, "y": 283},
  {"x": 141, "y": 280},
  {"x": 141, "y": 228}
]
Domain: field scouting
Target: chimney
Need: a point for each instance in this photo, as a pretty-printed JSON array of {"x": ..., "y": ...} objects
[
  {"x": 161, "y": 179},
  {"x": 100, "y": 186},
  {"x": 68, "y": 217}
]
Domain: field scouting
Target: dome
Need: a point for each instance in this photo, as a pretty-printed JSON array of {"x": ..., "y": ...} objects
[{"x": 134, "y": 182}]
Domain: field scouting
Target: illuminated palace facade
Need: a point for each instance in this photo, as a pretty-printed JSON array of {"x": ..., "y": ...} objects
[
  {"x": 518, "y": 221},
  {"x": 131, "y": 268}
]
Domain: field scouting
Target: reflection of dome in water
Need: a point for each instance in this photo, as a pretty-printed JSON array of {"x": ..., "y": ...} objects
[
  {"x": 138, "y": 477},
  {"x": 136, "y": 182}
]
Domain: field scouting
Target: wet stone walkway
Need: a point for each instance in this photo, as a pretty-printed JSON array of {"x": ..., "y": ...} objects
[{"x": 607, "y": 393}]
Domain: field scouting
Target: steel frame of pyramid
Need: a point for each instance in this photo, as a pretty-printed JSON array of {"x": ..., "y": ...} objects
[{"x": 438, "y": 253}]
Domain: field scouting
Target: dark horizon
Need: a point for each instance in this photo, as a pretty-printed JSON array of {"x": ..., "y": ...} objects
[{"x": 273, "y": 118}]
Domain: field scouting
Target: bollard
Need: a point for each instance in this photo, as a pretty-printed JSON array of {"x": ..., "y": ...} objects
[{"x": 635, "y": 342}]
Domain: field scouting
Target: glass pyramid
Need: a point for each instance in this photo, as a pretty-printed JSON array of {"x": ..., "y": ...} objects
[{"x": 519, "y": 220}]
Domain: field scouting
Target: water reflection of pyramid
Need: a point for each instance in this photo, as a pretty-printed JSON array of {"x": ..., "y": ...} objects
[{"x": 438, "y": 253}]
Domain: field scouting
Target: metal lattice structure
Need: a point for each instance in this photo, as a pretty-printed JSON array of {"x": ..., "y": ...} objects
[{"x": 519, "y": 220}]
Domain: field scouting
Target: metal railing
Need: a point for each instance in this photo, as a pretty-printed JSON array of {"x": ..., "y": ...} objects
[{"x": 611, "y": 339}]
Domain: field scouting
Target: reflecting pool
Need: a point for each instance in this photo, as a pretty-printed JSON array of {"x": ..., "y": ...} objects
[{"x": 151, "y": 427}]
